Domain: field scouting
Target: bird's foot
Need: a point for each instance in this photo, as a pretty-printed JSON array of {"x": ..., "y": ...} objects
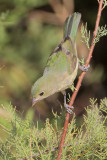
[
  {"x": 68, "y": 108},
  {"x": 84, "y": 68}
]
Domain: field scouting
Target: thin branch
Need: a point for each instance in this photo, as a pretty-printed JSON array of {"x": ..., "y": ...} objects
[
  {"x": 45, "y": 17},
  {"x": 61, "y": 12},
  {"x": 1, "y": 67},
  {"x": 46, "y": 151},
  {"x": 56, "y": 5},
  {"x": 80, "y": 79},
  {"x": 59, "y": 8},
  {"x": 31, "y": 147}
]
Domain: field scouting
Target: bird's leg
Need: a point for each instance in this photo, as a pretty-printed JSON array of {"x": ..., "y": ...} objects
[
  {"x": 68, "y": 108},
  {"x": 83, "y": 67}
]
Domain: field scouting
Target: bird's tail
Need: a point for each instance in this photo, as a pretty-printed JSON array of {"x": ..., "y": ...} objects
[{"x": 71, "y": 25}]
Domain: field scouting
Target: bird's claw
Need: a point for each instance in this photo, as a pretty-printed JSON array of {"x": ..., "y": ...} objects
[
  {"x": 84, "y": 68},
  {"x": 69, "y": 108}
]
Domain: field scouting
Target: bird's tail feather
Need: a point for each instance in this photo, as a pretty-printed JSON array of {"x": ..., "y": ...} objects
[{"x": 71, "y": 25}]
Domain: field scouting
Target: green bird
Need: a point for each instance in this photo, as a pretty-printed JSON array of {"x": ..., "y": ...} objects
[{"x": 62, "y": 65}]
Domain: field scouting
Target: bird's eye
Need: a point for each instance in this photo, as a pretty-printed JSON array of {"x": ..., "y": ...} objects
[{"x": 41, "y": 94}]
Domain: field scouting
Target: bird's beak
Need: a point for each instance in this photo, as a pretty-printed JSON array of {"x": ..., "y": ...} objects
[{"x": 34, "y": 101}]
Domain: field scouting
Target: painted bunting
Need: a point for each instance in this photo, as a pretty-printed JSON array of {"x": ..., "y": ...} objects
[{"x": 62, "y": 65}]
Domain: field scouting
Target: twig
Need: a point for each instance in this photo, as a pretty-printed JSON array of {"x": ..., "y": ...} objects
[
  {"x": 59, "y": 9},
  {"x": 31, "y": 146},
  {"x": 46, "y": 151},
  {"x": 80, "y": 79},
  {"x": 1, "y": 67}
]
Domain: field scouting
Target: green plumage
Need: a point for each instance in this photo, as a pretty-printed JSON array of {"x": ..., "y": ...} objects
[
  {"x": 71, "y": 25},
  {"x": 62, "y": 65}
]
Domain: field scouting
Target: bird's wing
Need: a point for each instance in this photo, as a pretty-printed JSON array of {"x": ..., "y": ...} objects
[
  {"x": 64, "y": 57},
  {"x": 61, "y": 61}
]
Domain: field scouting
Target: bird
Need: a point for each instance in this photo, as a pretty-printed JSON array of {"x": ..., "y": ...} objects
[{"x": 62, "y": 65}]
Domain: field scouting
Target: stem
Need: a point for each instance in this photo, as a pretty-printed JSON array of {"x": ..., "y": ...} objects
[{"x": 80, "y": 79}]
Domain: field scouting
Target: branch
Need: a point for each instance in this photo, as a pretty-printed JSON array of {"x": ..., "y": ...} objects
[
  {"x": 46, "y": 151},
  {"x": 80, "y": 79}
]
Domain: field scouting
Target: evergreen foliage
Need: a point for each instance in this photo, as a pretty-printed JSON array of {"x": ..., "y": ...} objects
[{"x": 27, "y": 141}]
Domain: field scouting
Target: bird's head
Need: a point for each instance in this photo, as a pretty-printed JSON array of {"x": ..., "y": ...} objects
[{"x": 41, "y": 89}]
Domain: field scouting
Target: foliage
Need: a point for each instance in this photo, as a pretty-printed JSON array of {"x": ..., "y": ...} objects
[
  {"x": 87, "y": 142},
  {"x": 81, "y": 61},
  {"x": 104, "y": 3},
  {"x": 85, "y": 35},
  {"x": 102, "y": 31}
]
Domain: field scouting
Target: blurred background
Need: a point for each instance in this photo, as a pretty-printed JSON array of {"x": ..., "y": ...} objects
[{"x": 29, "y": 31}]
